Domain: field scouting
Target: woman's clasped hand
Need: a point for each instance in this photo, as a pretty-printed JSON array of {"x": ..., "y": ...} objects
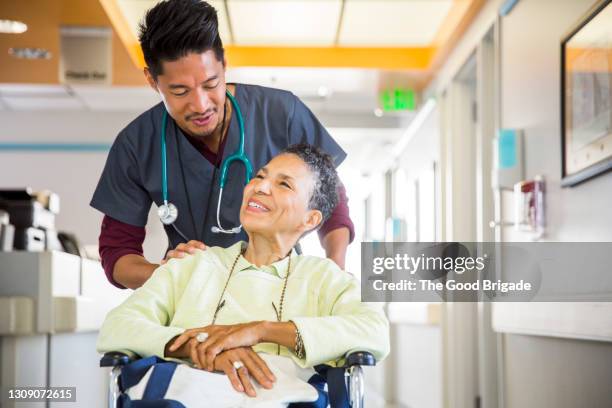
[{"x": 226, "y": 348}]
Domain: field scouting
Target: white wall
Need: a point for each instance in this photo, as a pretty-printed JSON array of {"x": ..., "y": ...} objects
[
  {"x": 531, "y": 101},
  {"x": 73, "y": 175},
  {"x": 417, "y": 374},
  {"x": 417, "y": 161},
  {"x": 423, "y": 148},
  {"x": 543, "y": 371}
]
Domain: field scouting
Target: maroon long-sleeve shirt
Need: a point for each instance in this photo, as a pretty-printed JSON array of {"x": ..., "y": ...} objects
[{"x": 118, "y": 238}]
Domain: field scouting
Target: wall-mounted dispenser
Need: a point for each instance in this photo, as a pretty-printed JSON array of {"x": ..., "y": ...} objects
[
  {"x": 529, "y": 206},
  {"x": 507, "y": 158}
]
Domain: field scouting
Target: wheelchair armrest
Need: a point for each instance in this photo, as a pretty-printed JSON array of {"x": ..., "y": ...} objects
[
  {"x": 360, "y": 358},
  {"x": 115, "y": 359}
]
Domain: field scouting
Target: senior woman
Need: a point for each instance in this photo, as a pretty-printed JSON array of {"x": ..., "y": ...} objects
[{"x": 225, "y": 308}]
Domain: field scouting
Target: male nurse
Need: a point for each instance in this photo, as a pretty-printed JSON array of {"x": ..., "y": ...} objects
[{"x": 199, "y": 119}]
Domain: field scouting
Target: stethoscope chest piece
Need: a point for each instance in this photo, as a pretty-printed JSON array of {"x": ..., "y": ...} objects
[{"x": 167, "y": 213}]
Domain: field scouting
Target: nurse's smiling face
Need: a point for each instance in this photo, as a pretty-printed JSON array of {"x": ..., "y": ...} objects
[
  {"x": 275, "y": 202},
  {"x": 193, "y": 90}
]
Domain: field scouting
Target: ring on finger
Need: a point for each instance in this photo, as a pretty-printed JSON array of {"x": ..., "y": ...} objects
[
  {"x": 238, "y": 365},
  {"x": 201, "y": 337}
]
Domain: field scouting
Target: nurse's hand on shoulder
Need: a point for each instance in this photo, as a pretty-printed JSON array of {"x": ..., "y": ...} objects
[{"x": 183, "y": 250}]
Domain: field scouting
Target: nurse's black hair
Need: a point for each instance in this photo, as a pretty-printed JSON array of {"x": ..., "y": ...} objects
[
  {"x": 174, "y": 28},
  {"x": 324, "y": 196}
]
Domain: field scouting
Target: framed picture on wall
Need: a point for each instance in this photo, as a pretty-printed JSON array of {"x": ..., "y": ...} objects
[{"x": 586, "y": 97}]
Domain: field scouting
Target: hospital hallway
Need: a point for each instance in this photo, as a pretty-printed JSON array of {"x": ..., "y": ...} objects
[{"x": 476, "y": 194}]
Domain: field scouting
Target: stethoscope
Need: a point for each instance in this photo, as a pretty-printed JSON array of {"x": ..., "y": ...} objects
[{"x": 168, "y": 213}]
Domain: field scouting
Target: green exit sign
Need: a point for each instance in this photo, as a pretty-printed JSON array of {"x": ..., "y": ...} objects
[{"x": 397, "y": 100}]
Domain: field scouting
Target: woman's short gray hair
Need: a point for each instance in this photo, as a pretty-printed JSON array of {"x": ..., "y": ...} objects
[{"x": 324, "y": 195}]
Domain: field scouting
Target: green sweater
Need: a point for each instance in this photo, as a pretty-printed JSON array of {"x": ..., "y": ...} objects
[{"x": 321, "y": 299}]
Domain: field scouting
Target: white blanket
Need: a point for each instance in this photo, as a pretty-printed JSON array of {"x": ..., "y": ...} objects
[{"x": 198, "y": 388}]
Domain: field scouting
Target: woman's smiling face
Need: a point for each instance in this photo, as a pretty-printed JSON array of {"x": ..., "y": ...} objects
[{"x": 276, "y": 199}]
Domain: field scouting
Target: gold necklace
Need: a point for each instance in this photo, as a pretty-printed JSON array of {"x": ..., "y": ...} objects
[
  {"x": 279, "y": 312},
  {"x": 221, "y": 302}
]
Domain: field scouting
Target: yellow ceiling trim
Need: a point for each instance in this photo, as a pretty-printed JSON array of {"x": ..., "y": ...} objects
[
  {"x": 412, "y": 58},
  {"x": 423, "y": 59},
  {"x": 416, "y": 58},
  {"x": 123, "y": 30}
]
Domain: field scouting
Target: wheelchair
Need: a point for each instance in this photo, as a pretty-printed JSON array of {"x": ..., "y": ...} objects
[{"x": 350, "y": 375}]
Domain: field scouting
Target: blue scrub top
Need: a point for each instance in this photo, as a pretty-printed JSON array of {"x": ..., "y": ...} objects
[{"x": 131, "y": 180}]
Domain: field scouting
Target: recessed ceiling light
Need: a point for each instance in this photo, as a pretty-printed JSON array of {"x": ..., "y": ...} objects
[
  {"x": 30, "y": 53},
  {"x": 323, "y": 91},
  {"x": 12, "y": 27}
]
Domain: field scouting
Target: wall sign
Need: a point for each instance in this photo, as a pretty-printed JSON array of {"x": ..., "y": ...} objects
[{"x": 86, "y": 55}]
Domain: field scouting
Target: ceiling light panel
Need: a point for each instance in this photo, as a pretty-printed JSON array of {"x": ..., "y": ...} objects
[
  {"x": 282, "y": 22},
  {"x": 392, "y": 23},
  {"x": 134, "y": 11},
  {"x": 307, "y": 80}
]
